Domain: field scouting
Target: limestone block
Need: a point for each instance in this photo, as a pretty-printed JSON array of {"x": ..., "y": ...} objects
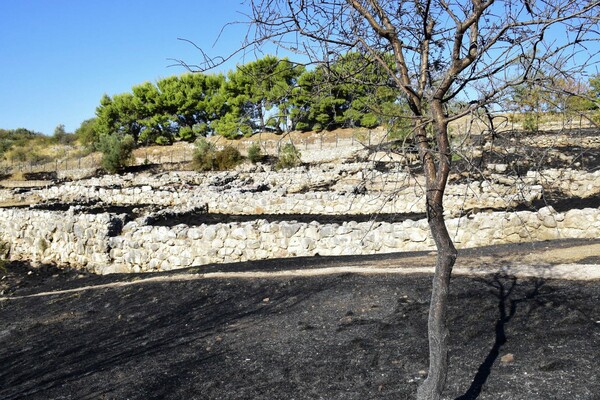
[
  {"x": 253, "y": 244},
  {"x": 210, "y": 233},
  {"x": 418, "y": 235},
  {"x": 328, "y": 231},
  {"x": 239, "y": 234},
  {"x": 550, "y": 221},
  {"x": 577, "y": 219},
  {"x": 546, "y": 212},
  {"x": 194, "y": 233},
  {"x": 289, "y": 229},
  {"x": 311, "y": 232}
]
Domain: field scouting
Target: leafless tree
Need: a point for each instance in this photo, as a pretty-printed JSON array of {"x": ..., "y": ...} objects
[{"x": 444, "y": 50}]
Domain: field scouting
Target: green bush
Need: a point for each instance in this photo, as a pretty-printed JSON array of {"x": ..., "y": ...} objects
[
  {"x": 227, "y": 158},
  {"x": 255, "y": 153},
  {"x": 531, "y": 122},
  {"x": 204, "y": 156},
  {"x": 116, "y": 151},
  {"x": 289, "y": 157},
  {"x": 207, "y": 158}
]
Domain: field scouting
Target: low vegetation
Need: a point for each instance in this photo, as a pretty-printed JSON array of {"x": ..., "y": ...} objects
[
  {"x": 255, "y": 153},
  {"x": 207, "y": 158},
  {"x": 289, "y": 157},
  {"x": 116, "y": 152}
]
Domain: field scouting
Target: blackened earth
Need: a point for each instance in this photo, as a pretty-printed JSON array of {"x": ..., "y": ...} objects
[{"x": 339, "y": 336}]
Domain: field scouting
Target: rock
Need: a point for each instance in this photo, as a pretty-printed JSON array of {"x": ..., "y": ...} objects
[
  {"x": 507, "y": 358},
  {"x": 288, "y": 230}
]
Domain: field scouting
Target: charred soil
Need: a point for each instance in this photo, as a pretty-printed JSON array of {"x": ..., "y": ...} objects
[{"x": 335, "y": 336}]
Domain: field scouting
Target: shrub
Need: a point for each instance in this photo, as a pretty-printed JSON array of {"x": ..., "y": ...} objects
[
  {"x": 207, "y": 158},
  {"x": 17, "y": 154},
  {"x": 204, "y": 156},
  {"x": 116, "y": 151},
  {"x": 531, "y": 122},
  {"x": 289, "y": 157},
  {"x": 255, "y": 153},
  {"x": 227, "y": 158}
]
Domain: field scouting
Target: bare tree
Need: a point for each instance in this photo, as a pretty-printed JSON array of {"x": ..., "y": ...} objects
[{"x": 444, "y": 50}]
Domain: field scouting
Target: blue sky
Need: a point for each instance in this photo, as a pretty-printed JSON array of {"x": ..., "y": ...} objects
[{"x": 58, "y": 57}]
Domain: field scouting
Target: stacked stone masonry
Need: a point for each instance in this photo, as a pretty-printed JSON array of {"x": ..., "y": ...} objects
[{"x": 97, "y": 242}]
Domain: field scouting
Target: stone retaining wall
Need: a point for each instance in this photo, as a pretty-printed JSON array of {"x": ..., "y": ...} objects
[
  {"x": 193, "y": 189},
  {"x": 59, "y": 237},
  {"x": 95, "y": 242}
]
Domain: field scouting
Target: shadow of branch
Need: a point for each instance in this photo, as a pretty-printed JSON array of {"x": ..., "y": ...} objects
[{"x": 503, "y": 288}]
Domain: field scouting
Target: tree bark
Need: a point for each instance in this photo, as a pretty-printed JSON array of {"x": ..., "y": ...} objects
[
  {"x": 432, "y": 387},
  {"x": 437, "y": 169}
]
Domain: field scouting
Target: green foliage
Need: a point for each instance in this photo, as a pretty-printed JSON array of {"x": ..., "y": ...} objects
[
  {"x": 531, "y": 122},
  {"x": 60, "y": 136},
  {"x": 163, "y": 140},
  {"x": 255, "y": 153},
  {"x": 204, "y": 156},
  {"x": 369, "y": 120},
  {"x": 207, "y": 158},
  {"x": 232, "y": 126},
  {"x": 260, "y": 87},
  {"x": 116, "y": 151},
  {"x": 262, "y": 95},
  {"x": 15, "y": 139},
  {"x": 302, "y": 126},
  {"x": 289, "y": 157},
  {"x": 228, "y": 158},
  {"x": 18, "y": 154},
  {"x": 87, "y": 134},
  {"x": 186, "y": 133}
]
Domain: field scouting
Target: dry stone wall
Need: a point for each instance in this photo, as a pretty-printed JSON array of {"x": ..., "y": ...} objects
[
  {"x": 97, "y": 243},
  {"x": 397, "y": 192},
  {"x": 62, "y": 238}
]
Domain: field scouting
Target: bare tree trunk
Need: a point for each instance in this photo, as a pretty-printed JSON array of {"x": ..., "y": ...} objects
[
  {"x": 436, "y": 174},
  {"x": 432, "y": 387}
]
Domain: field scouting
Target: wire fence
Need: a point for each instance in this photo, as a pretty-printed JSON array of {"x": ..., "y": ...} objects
[
  {"x": 270, "y": 144},
  {"x": 182, "y": 153}
]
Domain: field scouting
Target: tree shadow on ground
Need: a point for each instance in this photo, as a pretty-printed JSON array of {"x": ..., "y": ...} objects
[{"x": 503, "y": 287}]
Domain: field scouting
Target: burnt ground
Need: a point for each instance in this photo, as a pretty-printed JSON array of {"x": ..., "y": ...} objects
[{"x": 335, "y": 336}]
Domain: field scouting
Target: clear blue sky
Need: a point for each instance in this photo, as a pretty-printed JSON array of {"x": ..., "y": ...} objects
[{"x": 58, "y": 57}]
